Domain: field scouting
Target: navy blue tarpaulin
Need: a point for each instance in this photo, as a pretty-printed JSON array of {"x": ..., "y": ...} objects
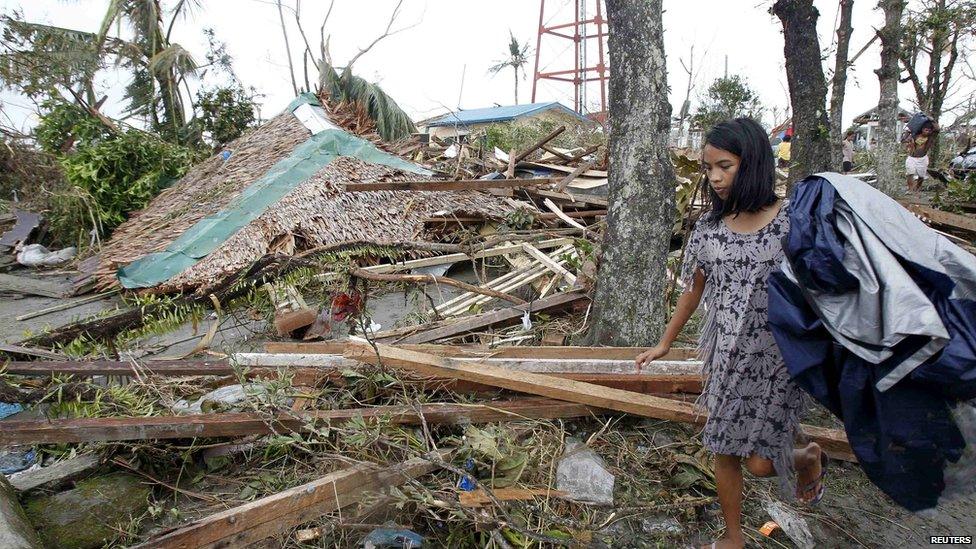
[{"x": 875, "y": 315}]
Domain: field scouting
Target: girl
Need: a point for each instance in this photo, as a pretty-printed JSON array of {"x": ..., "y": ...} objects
[{"x": 753, "y": 405}]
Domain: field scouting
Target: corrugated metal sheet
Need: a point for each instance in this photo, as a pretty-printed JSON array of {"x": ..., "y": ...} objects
[{"x": 498, "y": 114}]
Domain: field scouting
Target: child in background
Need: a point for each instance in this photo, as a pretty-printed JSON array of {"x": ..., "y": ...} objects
[
  {"x": 784, "y": 152},
  {"x": 918, "y": 144},
  {"x": 753, "y": 405},
  {"x": 847, "y": 149}
]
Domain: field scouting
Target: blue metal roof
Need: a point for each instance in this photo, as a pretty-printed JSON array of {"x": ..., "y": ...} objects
[{"x": 498, "y": 114}]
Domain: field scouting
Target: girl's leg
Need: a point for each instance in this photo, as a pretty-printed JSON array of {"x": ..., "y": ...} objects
[
  {"x": 806, "y": 460},
  {"x": 808, "y": 469},
  {"x": 728, "y": 480}
]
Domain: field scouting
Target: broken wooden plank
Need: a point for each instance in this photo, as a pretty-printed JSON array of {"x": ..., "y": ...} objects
[
  {"x": 538, "y": 144},
  {"x": 499, "y": 318},
  {"x": 506, "y": 283},
  {"x": 568, "y": 353},
  {"x": 532, "y": 383},
  {"x": 561, "y": 186},
  {"x": 35, "y": 286},
  {"x": 559, "y": 388},
  {"x": 585, "y": 199},
  {"x": 119, "y": 367},
  {"x": 362, "y": 273},
  {"x": 599, "y": 174},
  {"x": 462, "y": 185},
  {"x": 565, "y": 218},
  {"x": 57, "y": 473},
  {"x": 536, "y": 365},
  {"x": 557, "y": 154},
  {"x": 68, "y": 305},
  {"x": 18, "y": 350},
  {"x": 278, "y": 513},
  {"x": 454, "y": 258},
  {"x": 479, "y": 498},
  {"x": 61, "y": 431},
  {"x": 550, "y": 263},
  {"x": 957, "y": 221}
]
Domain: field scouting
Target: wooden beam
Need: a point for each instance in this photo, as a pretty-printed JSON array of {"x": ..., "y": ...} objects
[
  {"x": 454, "y": 258},
  {"x": 278, "y": 513},
  {"x": 463, "y": 185},
  {"x": 64, "y": 431},
  {"x": 527, "y": 351},
  {"x": 550, "y": 264},
  {"x": 554, "y": 152},
  {"x": 586, "y": 199},
  {"x": 536, "y": 365},
  {"x": 18, "y": 350},
  {"x": 478, "y": 498},
  {"x": 957, "y": 221},
  {"x": 561, "y": 186},
  {"x": 119, "y": 368},
  {"x": 498, "y": 318},
  {"x": 550, "y": 386},
  {"x": 538, "y": 144},
  {"x": 54, "y": 474},
  {"x": 565, "y": 218},
  {"x": 536, "y": 384},
  {"x": 429, "y": 278}
]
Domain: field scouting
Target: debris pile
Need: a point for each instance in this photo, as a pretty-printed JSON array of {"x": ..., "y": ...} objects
[{"x": 406, "y": 377}]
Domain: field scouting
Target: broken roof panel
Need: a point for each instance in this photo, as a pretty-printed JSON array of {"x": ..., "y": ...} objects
[{"x": 499, "y": 114}]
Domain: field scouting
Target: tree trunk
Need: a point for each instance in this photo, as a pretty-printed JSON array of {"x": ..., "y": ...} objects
[
  {"x": 291, "y": 66},
  {"x": 839, "y": 83},
  {"x": 628, "y": 307},
  {"x": 516, "y": 83},
  {"x": 808, "y": 88},
  {"x": 889, "y": 179}
]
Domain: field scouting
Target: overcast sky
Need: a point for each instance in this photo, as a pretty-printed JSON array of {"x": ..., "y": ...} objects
[{"x": 422, "y": 66}]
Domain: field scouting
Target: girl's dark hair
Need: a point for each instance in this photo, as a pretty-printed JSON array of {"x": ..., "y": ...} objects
[
  {"x": 754, "y": 185},
  {"x": 787, "y": 137}
]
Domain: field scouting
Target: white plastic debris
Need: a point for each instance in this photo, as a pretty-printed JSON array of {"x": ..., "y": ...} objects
[
  {"x": 35, "y": 255},
  {"x": 793, "y": 525},
  {"x": 225, "y": 396},
  {"x": 583, "y": 475},
  {"x": 451, "y": 151}
]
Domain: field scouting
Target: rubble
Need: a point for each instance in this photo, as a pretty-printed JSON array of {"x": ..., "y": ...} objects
[{"x": 455, "y": 423}]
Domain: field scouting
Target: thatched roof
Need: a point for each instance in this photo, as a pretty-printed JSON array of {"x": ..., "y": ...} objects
[{"x": 314, "y": 213}]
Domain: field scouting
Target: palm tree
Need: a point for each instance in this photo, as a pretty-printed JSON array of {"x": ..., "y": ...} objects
[
  {"x": 341, "y": 85},
  {"x": 518, "y": 56},
  {"x": 159, "y": 67}
]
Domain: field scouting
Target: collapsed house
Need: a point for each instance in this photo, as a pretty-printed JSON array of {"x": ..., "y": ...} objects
[{"x": 278, "y": 189}]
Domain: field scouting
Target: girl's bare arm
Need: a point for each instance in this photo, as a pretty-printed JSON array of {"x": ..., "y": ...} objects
[{"x": 687, "y": 304}]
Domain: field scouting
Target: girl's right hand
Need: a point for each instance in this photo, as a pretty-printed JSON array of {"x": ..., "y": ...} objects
[{"x": 651, "y": 355}]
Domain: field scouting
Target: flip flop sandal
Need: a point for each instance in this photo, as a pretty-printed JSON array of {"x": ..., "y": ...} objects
[{"x": 817, "y": 483}]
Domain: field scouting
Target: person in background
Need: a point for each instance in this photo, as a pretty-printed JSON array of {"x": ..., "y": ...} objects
[
  {"x": 783, "y": 153},
  {"x": 848, "y": 153},
  {"x": 918, "y": 144}
]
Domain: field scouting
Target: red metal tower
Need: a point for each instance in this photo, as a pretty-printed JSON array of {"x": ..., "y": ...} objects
[{"x": 584, "y": 29}]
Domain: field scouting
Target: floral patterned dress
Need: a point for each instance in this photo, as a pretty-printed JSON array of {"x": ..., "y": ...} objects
[{"x": 753, "y": 405}]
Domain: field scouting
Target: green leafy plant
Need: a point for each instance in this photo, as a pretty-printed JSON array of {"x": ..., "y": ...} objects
[
  {"x": 123, "y": 174},
  {"x": 64, "y": 125},
  {"x": 225, "y": 113}
]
